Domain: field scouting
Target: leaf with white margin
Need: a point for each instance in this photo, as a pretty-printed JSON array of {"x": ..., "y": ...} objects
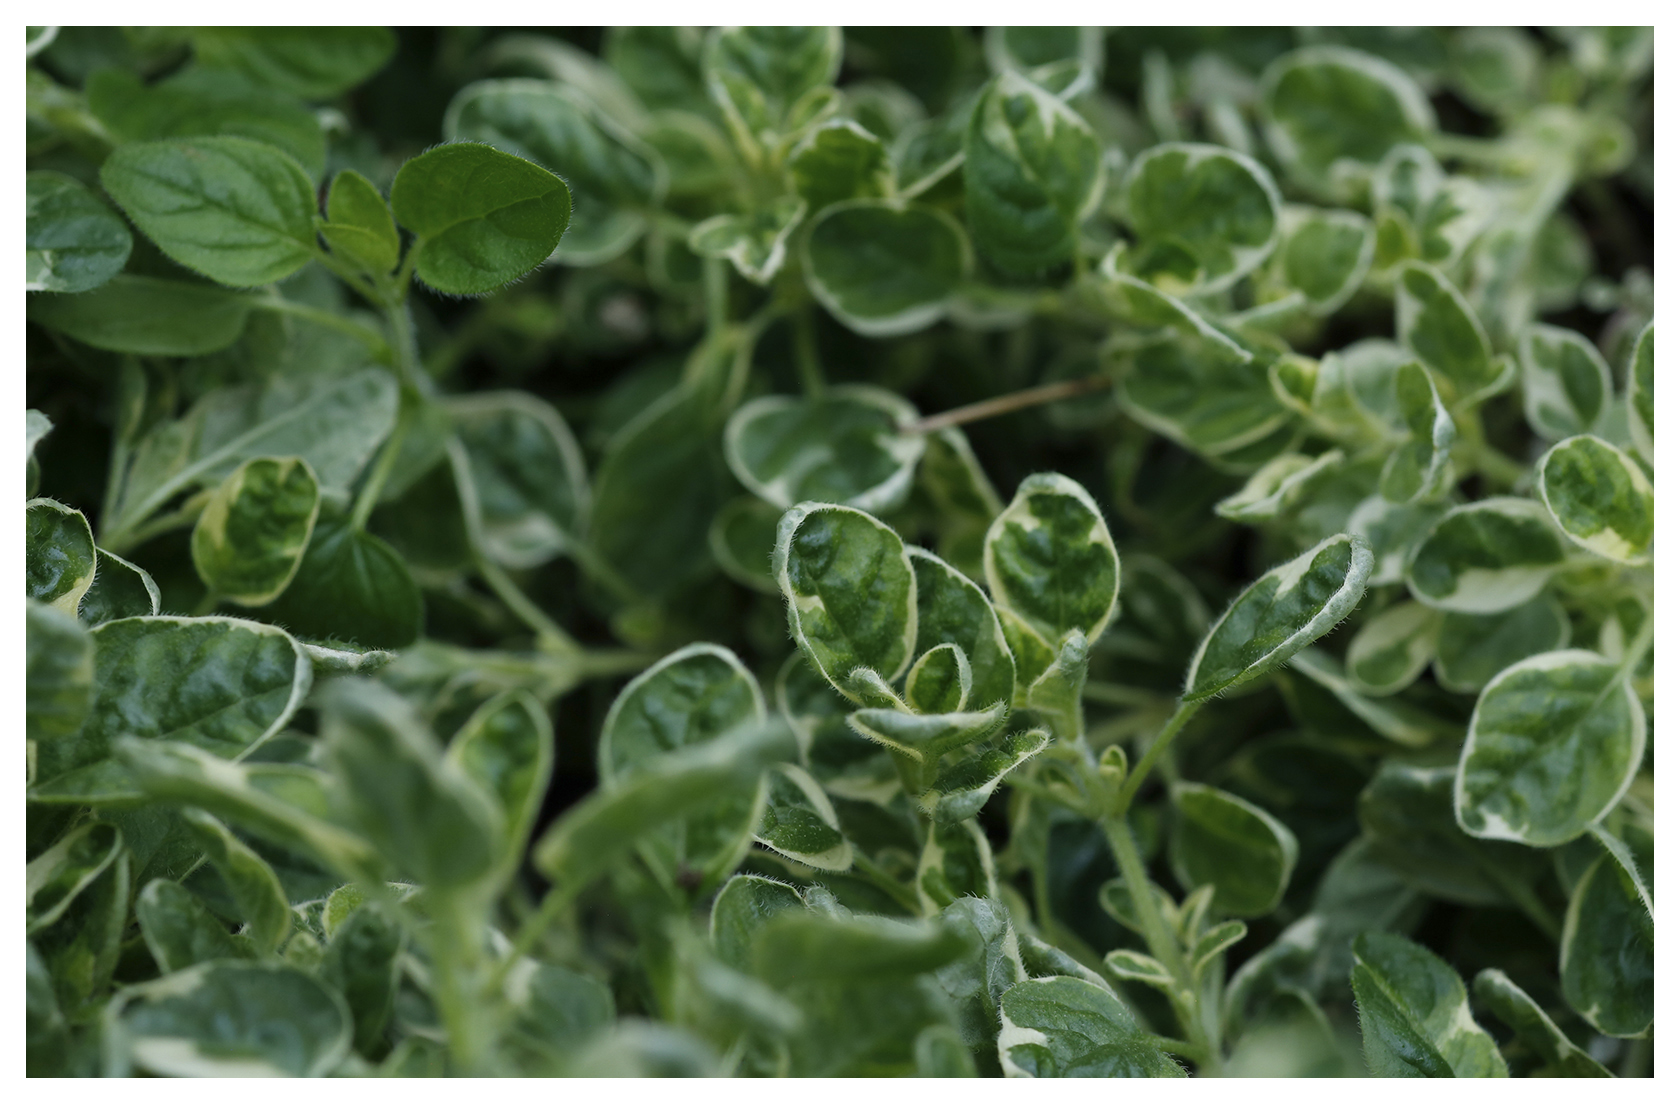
[
  {"x": 956, "y": 864},
  {"x": 216, "y": 683},
  {"x": 759, "y": 76},
  {"x": 1391, "y": 650},
  {"x": 1398, "y": 720},
  {"x": 1050, "y": 559},
  {"x": 951, "y": 608},
  {"x": 1276, "y": 487},
  {"x": 228, "y": 1019},
  {"x": 1607, "y": 958},
  {"x": 250, "y": 539},
  {"x": 120, "y": 589},
  {"x": 1471, "y": 648},
  {"x": 848, "y": 767},
  {"x": 1068, "y": 1027},
  {"x": 1058, "y": 694},
  {"x": 57, "y": 875},
  {"x": 837, "y": 161},
  {"x": 1641, "y": 393},
  {"x": 1554, "y": 743},
  {"x": 524, "y": 487},
  {"x": 178, "y": 930},
  {"x": 1433, "y": 320},
  {"x": 755, "y": 243},
  {"x": 1330, "y": 111},
  {"x": 1325, "y": 254},
  {"x": 883, "y": 269},
  {"x": 940, "y": 681},
  {"x": 1486, "y": 556},
  {"x": 1138, "y": 967},
  {"x": 742, "y": 538},
  {"x": 799, "y": 821},
  {"x": 59, "y": 555},
  {"x": 1218, "y": 206},
  {"x": 1280, "y": 613},
  {"x": 1414, "y": 1014},
  {"x": 1421, "y": 468},
  {"x": 742, "y": 907},
  {"x": 850, "y": 590},
  {"x": 1393, "y": 532},
  {"x": 250, "y": 881},
  {"x": 507, "y": 746},
  {"x": 1519, "y": 1011},
  {"x": 845, "y": 446},
  {"x": 58, "y": 678},
  {"x": 963, "y": 785},
  {"x": 1565, "y": 382},
  {"x": 1243, "y": 852},
  {"x": 924, "y": 737},
  {"x": 1600, "y": 498}
]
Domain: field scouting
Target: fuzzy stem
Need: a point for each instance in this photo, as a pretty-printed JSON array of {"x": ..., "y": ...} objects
[
  {"x": 805, "y": 353},
  {"x": 1139, "y": 773}
]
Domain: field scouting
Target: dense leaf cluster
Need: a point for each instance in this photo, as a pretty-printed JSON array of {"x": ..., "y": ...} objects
[{"x": 501, "y": 599}]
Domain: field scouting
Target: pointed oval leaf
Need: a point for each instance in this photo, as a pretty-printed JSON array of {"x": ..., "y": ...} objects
[
  {"x": 1139, "y": 967},
  {"x": 883, "y": 269},
  {"x": 1242, "y": 851},
  {"x": 1566, "y": 384},
  {"x": 59, "y": 556},
  {"x": 120, "y": 589},
  {"x": 1471, "y": 648},
  {"x": 1049, "y": 559},
  {"x": 846, "y": 446},
  {"x": 528, "y": 486},
  {"x": 228, "y": 1019},
  {"x": 179, "y": 931},
  {"x": 1554, "y": 743},
  {"x": 1506, "y": 1000},
  {"x": 1218, "y": 205},
  {"x": 359, "y": 225},
  {"x": 1607, "y": 956},
  {"x": 925, "y": 737},
  {"x": 73, "y": 241},
  {"x": 692, "y": 696},
  {"x": 350, "y": 586},
  {"x": 481, "y": 218},
  {"x": 1486, "y": 556},
  {"x": 1280, "y": 613},
  {"x": 147, "y": 315},
  {"x": 799, "y": 821},
  {"x": 1391, "y": 650},
  {"x": 1433, "y": 320},
  {"x": 250, "y": 539},
  {"x": 1068, "y": 1027},
  {"x": 1641, "y": 393},
  {"x": 1415, "y": 1015},
  {"x": 1600, "y": 498},
  {"x": 965, "y": 783},
  {"x": 239, "y": 211},
  {"x": 850, "y": 590},
  {"x": 951, "y": 608}
]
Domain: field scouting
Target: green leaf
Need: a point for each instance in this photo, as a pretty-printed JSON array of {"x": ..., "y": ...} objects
[
  {"x": 614, "y": 179},
  {"x": 1138, "y": 967},
  {"x": 846, "y": 446},
  {"x": 1058, "y": 693},
  {"x": 1641, "y": 393},
  {"x": 528, "y": 491},
  {"x": 848, "y": 767},
  {"x": 481, "y": 218},
  {"x": 1325, "y": 254},
  {"x": 1470, "y": 648},
  {"x": 1395, "y": 718},
  {"x": 228, "y": 1019},
  {"x": 806, "y": 945},
  {"x": 839, "y": 160},
  {"x": 239, "y": 211},
  {"x": 250, "y": 539},
  {"x": 1565, "y": 382},
  {"x": 950, "y": 608},
  {"x": 58, "y": 678},
  {"x": 359, "y": 226},
  {"x": 1067, "y": 1027},
  {"x": 925, "y": 737},
  {"x": 56, "y": 876},
  {"x": 1391, "y": 650},
  {"x": 350, "y": 586},
  {"x": 1238, "y": 848},
  {"x": 743, "y": 906},
  {"x": 201, "y": 103},
  {"x": 757, "y": 75},
  {"x": 147, "y": 315},
  {"x": 252, "y": 883},
  {"x": 977, "y": 981},
  {"x": 1217, "y": 206},
  {"x": 557, "y": 1008},
  {"x": 742, "y": 538},
  {"x": 1033, "y": 170},
  {"x": 1280, "y": 613},
  {"x": 940, "y": 681},
  {"x": 215, "y": 683},
  {"x": 964, "y": 784},
  {"x": 362, "y": 963},
  {"x": 316, "y": 63},
  {"x": 957, "y": 866},
  {"x": 1421, "y": 468},
  {"x": 884, "y": 269},
  {"x": 589, "y": 838},
  {"x": 73, "y": 242},
  {"x": 423, "y": 812},
  {"x": 1437, "y": 325},
  {"x": 799, "y": 821},
  {"x": 81, "y": 948},
  {"x": 1554, "y": 743},
  {"x": 850, "y": 591},
  {"x": 507, "y": 747},
  {"x": 179, "y": 931},
  {"x": 1486, "y": 556},
  {"x": 1414, "y": 1014},
  {"x": 756, "y": 242},
  {"x": 1600, "y": 498},
  {"x": 120, "y": 589},
  {"x": 1277, "y": 487},
  {"x": 1050, "y": 560},
  {"x": 940, "y": 1053},
  {"x": 1518, "y": 1011},
  {"x": 1607, "y": 957},
  {"x": 1329, "y": 112},
  {"x": 59, "y": 557}
]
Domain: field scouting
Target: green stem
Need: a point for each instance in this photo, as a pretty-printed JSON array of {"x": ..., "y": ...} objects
[
  {"x": 885, "y": 882},
  {"x": 454, "y": 946},
  {"x": 530, "y": 932},
  {"x": 717, "y": 295},
  {"x": 408, "y": 370},
  {"x": 805, "y": 352},
  {"x": 1113, "y": 693},
  {"x": 549, "y": 633},
  {"x": 1134, "y": 780},
  {"x": 373, "y": 339}
]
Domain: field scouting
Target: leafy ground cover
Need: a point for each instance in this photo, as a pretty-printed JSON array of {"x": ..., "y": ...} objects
[{"x": 778, "y": 551}]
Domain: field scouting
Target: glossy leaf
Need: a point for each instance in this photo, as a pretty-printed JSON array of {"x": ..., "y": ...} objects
[
  {"x": 1067, "y": 1027},
  {"x": 1485, "y": 557},
  {"x": 1218, "y": 206},
  {"x": 1600, "y": 498},
  {"x": 1241, "y": 850},
  {"x": 1415, "y": 1015},
  {"x": 883, "y": 269},
  {"x": 1553, "y": 745},
  {"x": 481, "y": 218},
  {"x": 250, "y": 539},
  {"x": 317, "y": 63},
  {"x": 238, "y": 211},
  {"x": 1050, "y": 560},
  {"x": 73, "y": 242},
  {"x": 350, "y": 586},
  {"x": 59, "y": 556},
  {"x": 845, "y": 446},
  {"x": 1282, "y": 612}
]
